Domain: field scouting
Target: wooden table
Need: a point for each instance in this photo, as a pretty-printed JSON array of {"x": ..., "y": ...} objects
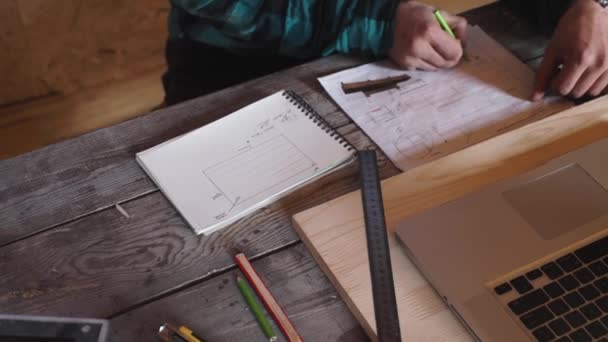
[{"x": 66, "y": 250}]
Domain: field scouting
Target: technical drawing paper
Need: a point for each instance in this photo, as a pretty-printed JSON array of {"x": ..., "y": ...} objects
[
  {"x": 220, "y": 172},
  {"x": 437, "y": 113}
]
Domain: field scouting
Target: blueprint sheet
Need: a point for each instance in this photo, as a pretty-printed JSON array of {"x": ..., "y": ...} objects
[{"x": 436, "y": 113}]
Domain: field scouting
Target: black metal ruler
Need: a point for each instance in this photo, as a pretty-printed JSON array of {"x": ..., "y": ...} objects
[{"x": 383, "y": 288}]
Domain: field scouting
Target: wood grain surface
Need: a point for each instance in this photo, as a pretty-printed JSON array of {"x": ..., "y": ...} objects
[
  {"x": 100, "y": 258},
  {"x": 51, "y": 119},
  {"x": 18, "y": 80},
  {"x": 335, "y": 234},
  {"x": 62, "y": 47},
  {"x": 216, "y": 310},
  {"x": 77, "y": 177}
]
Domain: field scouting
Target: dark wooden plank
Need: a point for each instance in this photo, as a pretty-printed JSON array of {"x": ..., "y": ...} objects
[
  {"x": 105, "y": 263},
  {"x": 78, "y": 177},
  {"x": 216, "y": 310}
]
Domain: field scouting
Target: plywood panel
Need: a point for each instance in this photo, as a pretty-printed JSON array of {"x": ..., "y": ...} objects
[
  {"x": 19, "y": 80},
  {"x": 102, "y": 41},
  {"x": 334, "y": 232},
  {"x": 41, "y": 122},
  {"x": 63, "y": 46}
]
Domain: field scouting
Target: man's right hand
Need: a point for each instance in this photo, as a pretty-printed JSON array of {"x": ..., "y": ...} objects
[
  {"x": 419, "y": 42},
  {"x": 580, "y": 44}
]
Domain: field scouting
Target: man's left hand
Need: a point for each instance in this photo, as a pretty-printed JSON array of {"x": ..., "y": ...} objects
[{"x": 580, "y": 45}]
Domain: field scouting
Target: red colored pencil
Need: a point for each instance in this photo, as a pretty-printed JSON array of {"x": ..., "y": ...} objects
[{"x": 269, "y": 302}]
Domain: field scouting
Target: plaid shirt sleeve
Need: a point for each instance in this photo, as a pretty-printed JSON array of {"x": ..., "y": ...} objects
[{"x": 297, "y": 28}]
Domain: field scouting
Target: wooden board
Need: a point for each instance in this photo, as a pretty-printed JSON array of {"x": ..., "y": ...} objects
[
  {"x": 48, "y": 120},
  {"x": 334, "y": 231},
  {"x": 62, "y": 47},
  {"x": 216, "y": 310},
  {"x": 18, "y": 80}
]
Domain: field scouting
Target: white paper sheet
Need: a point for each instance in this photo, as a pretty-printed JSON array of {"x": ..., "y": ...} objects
[
  {"x": 437, "y": 113},
  {"x": 220, "y": 172}
]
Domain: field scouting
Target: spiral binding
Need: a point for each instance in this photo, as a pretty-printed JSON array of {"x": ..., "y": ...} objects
[{"x": 302, "y": 105}]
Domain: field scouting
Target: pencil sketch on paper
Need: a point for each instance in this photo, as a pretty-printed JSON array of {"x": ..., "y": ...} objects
[
  {"x": 237, "y": 184},
  {"x": 268, "y": 125},
  {"x": 433, "y": 114}
]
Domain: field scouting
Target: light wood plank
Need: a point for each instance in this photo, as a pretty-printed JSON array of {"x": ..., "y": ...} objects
[
  {"x": 65, "y": 46},
  {"x": 19, "y": 80},
  {"x": 35, "y": 124},
  {"x": 334, "y": 231},
  {"x": 216, "y": 311}
]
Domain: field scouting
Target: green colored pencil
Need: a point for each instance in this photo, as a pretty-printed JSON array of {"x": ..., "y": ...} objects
[
  {"x": 444, "y": 25},
  {"x": 255, "y": 308}
]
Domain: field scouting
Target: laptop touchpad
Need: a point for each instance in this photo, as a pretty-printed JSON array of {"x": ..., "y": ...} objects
[{"x": 560, "y": 201}]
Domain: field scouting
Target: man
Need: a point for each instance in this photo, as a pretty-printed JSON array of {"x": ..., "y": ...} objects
[{"x": 218, "y": 43}]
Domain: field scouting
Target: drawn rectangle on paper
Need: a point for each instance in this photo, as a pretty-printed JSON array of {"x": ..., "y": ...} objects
[{"x": 257, "y": 169}]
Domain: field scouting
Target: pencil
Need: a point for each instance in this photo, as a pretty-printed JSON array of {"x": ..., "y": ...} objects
[
  {"x": 269, "y": 302},
  {"x": 171, "y": 333},
  {"x": 354, "y": 87},
  {"x": 256, "y": 309},
  {"x": 444, "y": 24}
]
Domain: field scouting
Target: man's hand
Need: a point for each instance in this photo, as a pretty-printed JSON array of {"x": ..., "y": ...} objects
[
  {"x": 580, "y": 44},
  {"x": 420, "y": 43}
]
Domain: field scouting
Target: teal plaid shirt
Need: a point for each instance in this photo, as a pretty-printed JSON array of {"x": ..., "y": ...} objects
[{"x": 295, "y": 28}]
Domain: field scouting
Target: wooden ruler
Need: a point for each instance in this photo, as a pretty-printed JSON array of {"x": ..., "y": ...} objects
[{"x": 383, "y": 288}]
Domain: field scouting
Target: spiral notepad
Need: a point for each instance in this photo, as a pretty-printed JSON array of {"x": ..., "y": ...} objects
[{"x": 221, "y": 172}]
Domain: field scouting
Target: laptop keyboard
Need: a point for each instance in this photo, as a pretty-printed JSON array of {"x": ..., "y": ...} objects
[{"x": 566, "y": 299}]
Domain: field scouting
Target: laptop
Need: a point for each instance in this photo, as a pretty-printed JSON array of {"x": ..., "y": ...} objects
[{"x": 525, "y": 259}]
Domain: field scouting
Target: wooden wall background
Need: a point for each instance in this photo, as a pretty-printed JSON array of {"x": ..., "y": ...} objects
[{"x": 72, "y": 55}]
